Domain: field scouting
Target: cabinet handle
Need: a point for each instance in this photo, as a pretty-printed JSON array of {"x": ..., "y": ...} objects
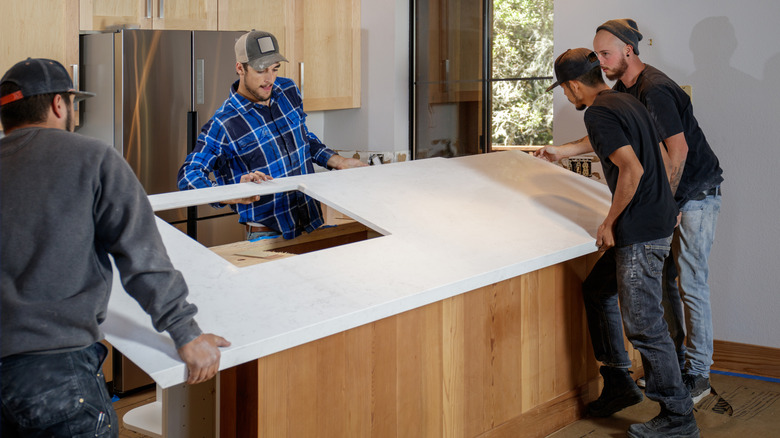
[
  {"x": 74, "y": 68},
  {"x": 301, "y": 87},
  {"x": 148, "y": 8},
  {"x": 161, "y": 12}
]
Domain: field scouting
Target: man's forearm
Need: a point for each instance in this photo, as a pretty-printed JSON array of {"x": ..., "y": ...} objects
[
  {"x": 677, "y": 149},
  {"x": 576, "y": 147}
]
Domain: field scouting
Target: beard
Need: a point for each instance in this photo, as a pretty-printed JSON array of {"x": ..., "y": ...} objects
[
  {"x": 618, "y": 71},
  {"x": 70, "y": 123},
  {"x": 259, "y": 97}
]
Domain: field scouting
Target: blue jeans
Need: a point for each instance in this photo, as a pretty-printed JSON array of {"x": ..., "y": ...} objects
[
  {"x": 691, "y": 251},
  {"x": 633, "y": 274},
  {"x": 256, "y": 235},
  {"x": 60, "y": 395}
]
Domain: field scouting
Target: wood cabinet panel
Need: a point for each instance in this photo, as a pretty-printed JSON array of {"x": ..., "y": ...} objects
[
  {"x": 512, "y": 356},
  {"x": 39, "y": 29},
  {"x": 327, "y": 53},
  {"x": 268, "y": 15},
  {"x": 97, "y": 15},
  {"x": 184, "y": 14}
]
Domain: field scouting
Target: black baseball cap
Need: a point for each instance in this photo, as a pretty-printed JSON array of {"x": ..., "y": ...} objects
[
  {"x": 259, "y": 49},
  {"x": 36, "y": 76},
  {"x": 574, "y": 63}
]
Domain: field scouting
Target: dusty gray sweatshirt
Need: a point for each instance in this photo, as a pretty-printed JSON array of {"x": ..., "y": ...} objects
[{"x": 67, "y": 202}]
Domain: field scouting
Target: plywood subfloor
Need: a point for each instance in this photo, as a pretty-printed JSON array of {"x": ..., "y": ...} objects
[{"x": 742, "y": 407}]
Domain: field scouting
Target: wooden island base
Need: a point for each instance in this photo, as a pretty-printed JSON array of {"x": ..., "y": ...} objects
[{"x": 506, "y": 360}]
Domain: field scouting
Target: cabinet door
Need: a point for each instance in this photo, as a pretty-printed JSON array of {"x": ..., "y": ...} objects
[
  {"x": 184, "y": 14},
  {"x": 103, "y": 14},
  {"x": 149, "y": 14},
  {"x": 272, "y": 16},
  {"x": 40, "y": 29},
  {"x": 327, "y": 46}
]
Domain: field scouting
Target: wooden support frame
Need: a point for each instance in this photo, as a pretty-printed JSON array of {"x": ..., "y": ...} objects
[{"x": 511, "y": 356}]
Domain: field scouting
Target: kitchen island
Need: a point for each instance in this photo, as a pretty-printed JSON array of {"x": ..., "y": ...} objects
[{"x": 463, "y": 319}]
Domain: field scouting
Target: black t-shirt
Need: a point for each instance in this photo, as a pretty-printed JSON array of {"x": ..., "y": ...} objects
[
  {"x": 672, "y": 111},
  {"x": 615, "y": 120}
]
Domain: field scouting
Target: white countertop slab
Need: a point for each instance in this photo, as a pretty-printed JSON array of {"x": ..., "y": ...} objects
[{"x": 449, "y": 225}]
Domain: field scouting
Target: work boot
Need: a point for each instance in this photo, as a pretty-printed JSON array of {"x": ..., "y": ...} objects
[
  {"x": 619, "y": 392},
  {"x": 699, "y": 386},
  {"x": 666, "y": 425}
]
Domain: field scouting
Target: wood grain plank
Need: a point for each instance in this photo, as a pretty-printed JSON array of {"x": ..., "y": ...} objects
[
  {"x": 746, "y": 359},
  {"x": 530, "y": 340},
  {"x": 504, "y": 358},
  {"x": 385, "y": 406},
  {"x": 453, "y": 388}
]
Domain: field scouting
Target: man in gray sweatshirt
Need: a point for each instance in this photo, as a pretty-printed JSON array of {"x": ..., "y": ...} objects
[{"x": 69, "y": 202}]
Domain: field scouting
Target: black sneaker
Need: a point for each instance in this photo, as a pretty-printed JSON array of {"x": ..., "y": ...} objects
[
  {"x": 619, "y": 392},
  {"x": 699, "y": 386},
  {"x": 666, "y": 425}
]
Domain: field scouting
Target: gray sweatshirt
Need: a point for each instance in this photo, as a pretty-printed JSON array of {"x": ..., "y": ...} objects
[{"x": 67, "y": 202}]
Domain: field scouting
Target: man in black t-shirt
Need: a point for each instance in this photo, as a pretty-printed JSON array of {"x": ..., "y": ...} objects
[
  {"x": 695, "y": 176},
  {"x": 636, "y": 237}
]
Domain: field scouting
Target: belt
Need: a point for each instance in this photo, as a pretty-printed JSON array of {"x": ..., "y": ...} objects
[
  {"x": 257, "y": 229},
  {"x": 709, "y": 192}
]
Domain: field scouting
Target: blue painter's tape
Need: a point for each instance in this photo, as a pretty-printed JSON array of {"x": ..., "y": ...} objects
[{"x": 746, "y": 376}]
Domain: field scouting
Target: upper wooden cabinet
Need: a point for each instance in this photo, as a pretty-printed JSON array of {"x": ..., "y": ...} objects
[
  {"x": 327, "y": 50},
  {"x": 149, "y": 14},
  {"x": 40, "y": 29},
  {"x": 272, "y": 16},
  {"x": 319, "y": 38}
]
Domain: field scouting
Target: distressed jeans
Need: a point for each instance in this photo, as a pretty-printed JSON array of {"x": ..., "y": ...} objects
[
  {"x": 626, "y": 281},
  {"x": 57, "y": 395},
  {"x": 690, "y": 254}
]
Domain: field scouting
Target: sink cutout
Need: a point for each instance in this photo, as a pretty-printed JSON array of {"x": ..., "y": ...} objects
[{"x": 338, "y": 230}]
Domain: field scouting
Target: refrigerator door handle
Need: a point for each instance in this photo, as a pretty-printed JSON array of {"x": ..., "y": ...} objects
[
  {"x": 200, "y": 72},
  {"x": 148, "y": 8},
  {"x": 161, "y": 11},
  {"x": 75, "y": 73}
]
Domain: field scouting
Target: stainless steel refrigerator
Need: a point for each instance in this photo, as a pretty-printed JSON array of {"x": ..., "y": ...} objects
[{"x": 154, "y": 90}]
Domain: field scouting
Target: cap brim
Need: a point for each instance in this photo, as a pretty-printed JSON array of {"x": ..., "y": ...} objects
[
  {"x": 555, "y": 84},
  {"x": 267, "y": 61},
  {"x": 81, "y": 95}
]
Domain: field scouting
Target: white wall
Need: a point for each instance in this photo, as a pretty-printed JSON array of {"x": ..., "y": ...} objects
[
  {"x": 382, "y": 121},
  {"x": 728, "y": 52}
]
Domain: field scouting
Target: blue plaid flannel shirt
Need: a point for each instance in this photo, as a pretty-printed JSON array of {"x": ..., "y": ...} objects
[{"x": 243, "y": 136}]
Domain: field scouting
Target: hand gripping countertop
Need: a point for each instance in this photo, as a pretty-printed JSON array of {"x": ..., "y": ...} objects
[{"x": 449, "y": 226}]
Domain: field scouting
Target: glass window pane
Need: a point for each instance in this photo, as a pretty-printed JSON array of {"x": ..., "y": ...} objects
[
  {"x": 522, "y": 38},
  {"x": 448, "y": 40},
  {"x": 521, "y": 113},
  {"x": 449, "y": 119}
]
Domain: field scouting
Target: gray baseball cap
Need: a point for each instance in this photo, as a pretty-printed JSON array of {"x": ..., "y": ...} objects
[{"x": 259, "y": 49}]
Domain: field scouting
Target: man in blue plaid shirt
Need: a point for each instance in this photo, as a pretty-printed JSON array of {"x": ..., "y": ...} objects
[{"x": 259, "y": 134}]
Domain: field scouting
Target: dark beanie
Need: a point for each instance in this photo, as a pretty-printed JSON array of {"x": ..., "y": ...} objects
[{"x": 625, "y": 29}]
